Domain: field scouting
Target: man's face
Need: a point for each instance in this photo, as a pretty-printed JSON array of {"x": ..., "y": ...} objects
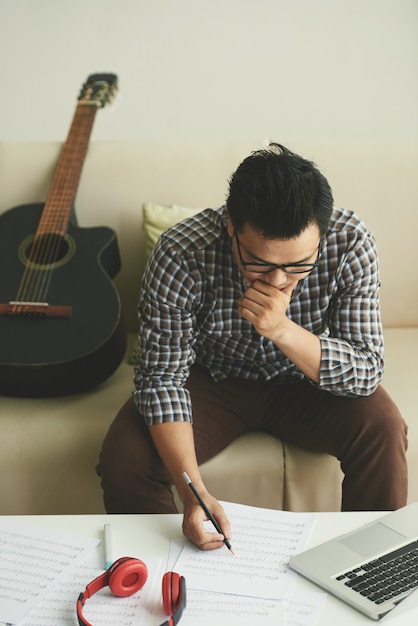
[{"x": 251, "y": 248}]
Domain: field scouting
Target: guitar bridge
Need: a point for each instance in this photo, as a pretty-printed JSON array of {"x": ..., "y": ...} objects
[{"x": 36, "y": 309}]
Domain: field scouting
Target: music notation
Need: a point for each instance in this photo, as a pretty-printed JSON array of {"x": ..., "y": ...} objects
[
  {"x": 32, "y": 560},
  {"x": 264, "y": 540}
]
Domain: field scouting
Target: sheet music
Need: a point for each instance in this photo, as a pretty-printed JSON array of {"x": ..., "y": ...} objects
[
  {"x": 304, "y": 609},
  {"x": 32, "y": 561},
  {"x": 263, "y": 541},
  {"x": 206, "y": 608},
  {"x": 297, "y": 610}
]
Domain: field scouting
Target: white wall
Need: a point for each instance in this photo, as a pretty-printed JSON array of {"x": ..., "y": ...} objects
[{"x": 228, "y": 69}]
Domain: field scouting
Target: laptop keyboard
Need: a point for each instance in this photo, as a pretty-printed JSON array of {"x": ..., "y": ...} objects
[{"x": 386, "y": 578}]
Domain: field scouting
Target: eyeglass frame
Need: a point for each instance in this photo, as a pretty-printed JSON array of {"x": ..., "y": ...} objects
[{"x": 274, "y": 266}]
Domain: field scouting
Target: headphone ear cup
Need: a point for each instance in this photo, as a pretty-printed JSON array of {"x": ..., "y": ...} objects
[
  {"x": 127, "y": 576},
  {"x": 171, "y": 591}
]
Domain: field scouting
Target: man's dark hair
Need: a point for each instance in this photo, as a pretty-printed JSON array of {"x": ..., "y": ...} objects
[{"x": 279, "y": 194}]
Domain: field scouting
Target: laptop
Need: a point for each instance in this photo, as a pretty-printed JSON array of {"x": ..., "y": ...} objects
[{"x": 373, "y": 568}]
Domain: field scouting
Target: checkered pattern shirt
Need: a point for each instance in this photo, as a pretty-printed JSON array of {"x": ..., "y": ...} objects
[{"x": 188, "y": 314}]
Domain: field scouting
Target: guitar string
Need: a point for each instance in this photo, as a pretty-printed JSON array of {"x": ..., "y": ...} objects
[
  {"x": 72, "y": 180},
  {"x": 51, "y": 241},
  {"x": 30, "y": 281},
  {"x": 41, "y": 247},
  {"x": 73, "y": 171},
  {"x": 45, "y": 246}
]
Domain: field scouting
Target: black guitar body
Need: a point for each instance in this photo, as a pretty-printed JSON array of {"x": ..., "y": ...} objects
[{"x": 46, "y": 356}]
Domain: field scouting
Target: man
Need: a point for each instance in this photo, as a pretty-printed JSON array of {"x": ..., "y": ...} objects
[{"x": 261, "y": 315}]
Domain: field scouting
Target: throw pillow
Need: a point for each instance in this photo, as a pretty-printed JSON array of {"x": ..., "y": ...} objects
[{"x": 158, "y": 218}]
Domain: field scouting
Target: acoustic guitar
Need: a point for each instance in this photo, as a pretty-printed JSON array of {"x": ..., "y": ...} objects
[{"x": 61, "y": 325}]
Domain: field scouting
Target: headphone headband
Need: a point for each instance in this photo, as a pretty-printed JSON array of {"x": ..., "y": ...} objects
[{"x": 125, "y": 577}]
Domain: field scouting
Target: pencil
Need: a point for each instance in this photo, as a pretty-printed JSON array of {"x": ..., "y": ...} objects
[{"x": 206, "y": 510}]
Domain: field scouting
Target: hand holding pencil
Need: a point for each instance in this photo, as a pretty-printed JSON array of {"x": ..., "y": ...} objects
[{"x": 208, "y": 513}]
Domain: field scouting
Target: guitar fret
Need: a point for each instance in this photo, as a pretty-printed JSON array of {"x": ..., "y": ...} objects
[
  {"x": 89, "y": 103},
  {"x": 64, "y": 185}
]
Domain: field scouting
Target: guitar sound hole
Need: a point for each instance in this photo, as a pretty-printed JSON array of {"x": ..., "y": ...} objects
[{"x": 46, "y": 251}]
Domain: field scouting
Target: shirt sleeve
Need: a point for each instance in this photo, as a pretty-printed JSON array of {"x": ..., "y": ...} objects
[
  {"x": 352, "y": 347},
  {"x": 166, "y": 338}
]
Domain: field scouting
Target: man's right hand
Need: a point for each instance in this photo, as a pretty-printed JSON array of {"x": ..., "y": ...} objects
[{"x": 195, "y": 529}]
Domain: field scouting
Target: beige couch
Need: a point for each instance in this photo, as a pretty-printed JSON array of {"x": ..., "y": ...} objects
[{"x": 49, "y": 447}]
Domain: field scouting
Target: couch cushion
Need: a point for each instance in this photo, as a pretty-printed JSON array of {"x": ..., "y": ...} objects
[{"x": 249, "y": 471}]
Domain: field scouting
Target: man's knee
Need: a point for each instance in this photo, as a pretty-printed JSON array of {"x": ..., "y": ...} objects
[
  {"x": 386, "y": 415},
  {"x": 126, "y": 448},
  {"x": 376, "y": 418}
]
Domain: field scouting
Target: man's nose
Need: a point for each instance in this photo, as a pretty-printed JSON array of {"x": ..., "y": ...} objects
[{"x": 277, "y": 278}]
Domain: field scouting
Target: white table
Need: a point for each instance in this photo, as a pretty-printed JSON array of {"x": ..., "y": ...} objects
[{"x": 147, "y": 535}]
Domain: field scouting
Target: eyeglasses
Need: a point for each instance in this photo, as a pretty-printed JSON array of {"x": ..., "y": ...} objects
[{"x": 266, "y": 268}]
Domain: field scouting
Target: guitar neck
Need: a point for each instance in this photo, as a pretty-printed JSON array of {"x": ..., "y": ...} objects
[{"x": 63, "y": 189}]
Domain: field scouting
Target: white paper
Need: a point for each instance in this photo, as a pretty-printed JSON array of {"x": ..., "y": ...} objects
[
  {"x": 263, "y": 542},
  {"x": 304, "y": 609},
  {"x": 32, "y": 561},
  {"x": 206, "y": 608},
  {"x": 297, "y": 610}
]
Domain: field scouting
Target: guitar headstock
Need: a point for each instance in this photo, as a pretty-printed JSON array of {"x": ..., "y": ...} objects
[{"x": 99, "y": 89}]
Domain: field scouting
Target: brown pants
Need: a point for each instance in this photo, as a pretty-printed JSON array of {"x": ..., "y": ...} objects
[{"x": 367, "y": 435}]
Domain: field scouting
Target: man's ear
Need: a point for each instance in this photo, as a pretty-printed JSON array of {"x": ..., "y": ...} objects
[{"x": 230, "y": 226}]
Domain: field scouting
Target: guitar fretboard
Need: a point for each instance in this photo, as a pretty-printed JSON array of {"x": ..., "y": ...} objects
[{"x": 63, "y": 189}]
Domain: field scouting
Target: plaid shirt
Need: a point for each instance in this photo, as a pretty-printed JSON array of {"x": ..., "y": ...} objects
[{"x": 188, "y": 314}]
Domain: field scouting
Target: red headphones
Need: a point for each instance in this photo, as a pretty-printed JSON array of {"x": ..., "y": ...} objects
[{"x": 125, "y": 577}]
